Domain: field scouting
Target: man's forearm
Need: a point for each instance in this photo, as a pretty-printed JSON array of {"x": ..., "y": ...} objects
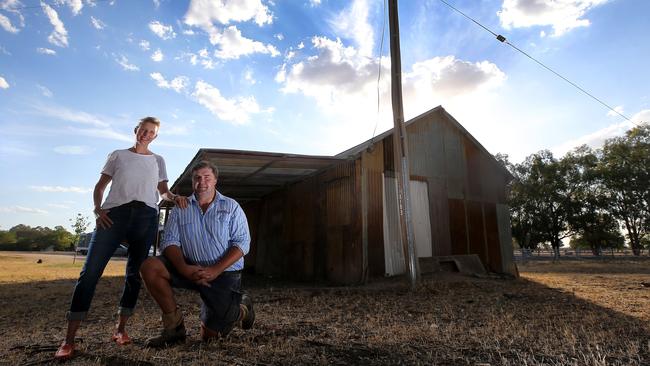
[
  {"x": 233, "y": 254},
  {"x": 175, "y": 256}
]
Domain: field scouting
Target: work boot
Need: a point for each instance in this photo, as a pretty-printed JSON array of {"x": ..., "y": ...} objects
[
  {"x": 247, "y": 312},
  {"x": 167, "y": 337},
  {"x": 173, "y": 330}
]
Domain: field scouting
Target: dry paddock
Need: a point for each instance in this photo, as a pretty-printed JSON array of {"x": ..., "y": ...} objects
[{"x": 587, "y": 312}]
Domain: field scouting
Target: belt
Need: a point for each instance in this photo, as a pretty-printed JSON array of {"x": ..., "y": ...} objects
[{"x": 135, "y": 204}]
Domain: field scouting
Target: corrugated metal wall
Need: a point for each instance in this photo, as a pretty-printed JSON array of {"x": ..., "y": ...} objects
[
  {"x": 311, "y": 229},
  {"x": 465, "y": 186}
]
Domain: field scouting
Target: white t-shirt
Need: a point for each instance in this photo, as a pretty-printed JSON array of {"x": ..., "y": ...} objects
[{"x": 135, "y": 177}]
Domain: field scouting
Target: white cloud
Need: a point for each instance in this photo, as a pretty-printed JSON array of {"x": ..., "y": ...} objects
[
  {"x": 3, "y": 83},
  {"x": 60, "y": 189},
  {"x": 202, "y": 13},
  {"x": 232, "y": 45},
  {"x": 597, "y": 139},
  {"x": 314, "y": 3},
  {"x": 178, "y": 83},
  {"x": 74, "y": 5},
  {"x": 642, "y": 116},
  {"x": 145, "y": 45},
  {"x": 5, "y": 23},
  {"x": 336, "y": 72},
  {"x": 594, "y": 139},
  {"x": 203, "y": 58},
  {"x": 58, "y": 206},
  {"x": 563, "y": 15},
  {"x": 21, "y": 209},
  {"x": 73, "y": 149},
  {"x": 98, "y": 24},
  {"x": 343, "y": 82},
  {"x": 157, "y": 56},
  {"x": 59, "y": 36},
  {"x": 156, "y": 3},
  {"x": 237, "y": 110},
  {"x": 279, "y": 36},
  {"x": 352, "y": 23},
  {"x": 301, "y": 45},
  {"x": 126, "y": 65},
  {"x": 64, "y": 114},
  {"x": 449, "y": 77},
  {"x": 613, "y": 113},
  {"x": 205, "y": 13},
  {"x": 248, "y": 76},
  {"x": 45, "y": 91},
  {"x": 161, "y": 30},
  {"x": 45, "y": 51}
]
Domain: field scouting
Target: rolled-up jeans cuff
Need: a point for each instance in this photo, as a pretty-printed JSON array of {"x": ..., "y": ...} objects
[
  {"x": 76, "y": 315},
  {"x": 121, "y": 311}
]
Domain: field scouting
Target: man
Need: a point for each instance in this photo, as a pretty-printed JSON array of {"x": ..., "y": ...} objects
[{"x": 203, "y": 250}]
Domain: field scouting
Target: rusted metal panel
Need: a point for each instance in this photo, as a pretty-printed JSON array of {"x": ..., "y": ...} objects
[
  {"x": 455, "y": 164},
  {"x": 473, "y": 168},
  {"x": 458, "y": 227},
  {"x": 373, "y": 162},
  {"x": 439, "y": 212},
  {"x": 476, "y": 230},
  {"x": 494, "y": 262},
  {"x": 269, "y": 256},
  {"x": 300, "y": 221},
  {"x": 343, "y": 224},
  {"x": 426, "y": 148}
]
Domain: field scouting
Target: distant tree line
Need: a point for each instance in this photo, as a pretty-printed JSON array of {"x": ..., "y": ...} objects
[
  {"x": 588, "y": 195},
  {"x": 24, "y": 237}
]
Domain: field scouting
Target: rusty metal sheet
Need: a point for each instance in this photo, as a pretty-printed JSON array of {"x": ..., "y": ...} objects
[
  {"x": 476, "y": 230},
  {"x": 458, "y": 227},
  {"x": 492, "y": 237}
]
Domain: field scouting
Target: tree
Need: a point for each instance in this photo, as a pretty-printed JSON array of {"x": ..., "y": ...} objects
[
  {"x": 79, "y": 225},
  {"x": 624, "y": 171},
  {"x": 543, "y": 201}
]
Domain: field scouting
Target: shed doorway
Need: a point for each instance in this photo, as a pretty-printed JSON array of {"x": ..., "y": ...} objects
[{"x": 393, "y": 251}]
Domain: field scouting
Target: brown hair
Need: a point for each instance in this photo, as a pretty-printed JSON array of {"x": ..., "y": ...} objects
[
  {"x": 206, "y": 164},
  {"x": 144, "y": 120}
]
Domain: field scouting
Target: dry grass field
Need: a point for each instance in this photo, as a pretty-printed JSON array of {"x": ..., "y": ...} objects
[{"x": 566, "y": 313}]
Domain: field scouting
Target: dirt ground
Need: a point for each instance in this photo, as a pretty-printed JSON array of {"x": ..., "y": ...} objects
[{"x": 568, "y": 313}]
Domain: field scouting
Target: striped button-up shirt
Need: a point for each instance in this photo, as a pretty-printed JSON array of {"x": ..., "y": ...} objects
[{"x": 205, "y": 237}]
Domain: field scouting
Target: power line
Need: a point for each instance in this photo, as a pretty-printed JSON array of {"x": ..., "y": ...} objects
[{"x": 503, "y": 39}]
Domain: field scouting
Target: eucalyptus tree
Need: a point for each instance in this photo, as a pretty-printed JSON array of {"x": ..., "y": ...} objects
[{"x": 624, "y": 169}]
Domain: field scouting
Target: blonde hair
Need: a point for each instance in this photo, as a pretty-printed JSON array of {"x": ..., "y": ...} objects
[{"x": 144, "y": 120}]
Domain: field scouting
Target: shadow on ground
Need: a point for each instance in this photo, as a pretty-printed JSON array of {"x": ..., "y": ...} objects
[{"x": 448, "y": 320}]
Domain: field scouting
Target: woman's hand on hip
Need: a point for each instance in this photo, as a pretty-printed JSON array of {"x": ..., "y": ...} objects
[{"x": 101, "y": 219}]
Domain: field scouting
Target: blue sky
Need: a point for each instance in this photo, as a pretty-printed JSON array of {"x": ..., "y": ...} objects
[{"x": 295, "y": 76}]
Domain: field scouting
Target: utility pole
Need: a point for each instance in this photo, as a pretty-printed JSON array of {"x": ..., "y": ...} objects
[{"x": 400, "y": 149}]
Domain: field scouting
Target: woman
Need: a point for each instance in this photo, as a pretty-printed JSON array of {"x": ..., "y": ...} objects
[{"x": 130, "y": 212}]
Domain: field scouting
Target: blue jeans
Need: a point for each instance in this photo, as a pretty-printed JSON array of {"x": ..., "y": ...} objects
[{"x": 134, "y": 222}]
